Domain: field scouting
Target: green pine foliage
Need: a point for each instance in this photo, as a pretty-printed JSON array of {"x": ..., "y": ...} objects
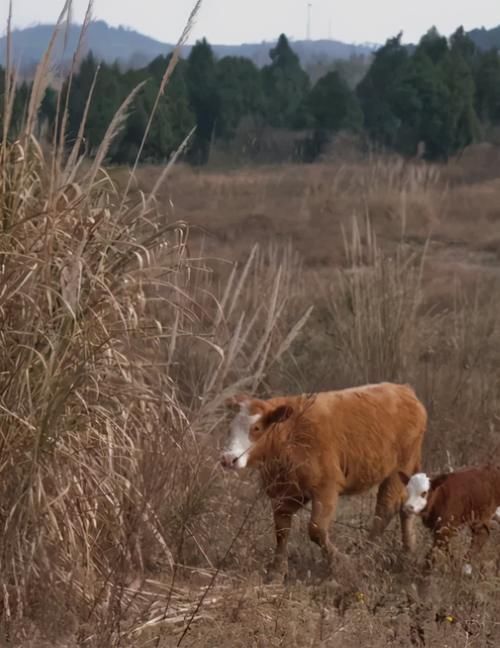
[
  {"x": 285, "y": 85},
  {"x": 201, "y": 75},
  {"x": 442, "y": 94},
  {"x": 487, "y": 84},
  {"x": 241, "y": 95},
  {"x": 437, "y": 95},
  {"x": 333, "y": 106}
]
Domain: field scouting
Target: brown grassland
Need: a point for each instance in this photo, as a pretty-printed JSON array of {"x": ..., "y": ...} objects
[{"x": 133, "y": 302}]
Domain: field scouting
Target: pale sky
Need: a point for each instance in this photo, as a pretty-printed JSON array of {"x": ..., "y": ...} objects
[{"x": 237, "y": 21}]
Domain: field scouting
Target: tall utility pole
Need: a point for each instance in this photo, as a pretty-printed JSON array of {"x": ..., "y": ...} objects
[{"x": 309, "y": 10}]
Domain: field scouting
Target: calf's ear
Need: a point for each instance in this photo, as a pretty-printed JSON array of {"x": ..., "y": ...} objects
[
  {"x": 278, "y": 415},
  {"x": 403, "y": 477}
]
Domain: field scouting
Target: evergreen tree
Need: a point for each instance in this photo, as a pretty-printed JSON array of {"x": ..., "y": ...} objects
[
  {"x": 79, "y": 93},
  {"x": 460, "y": 42},
  {"x": 107, "y": 97},
  {"x": 20, "y": 107},
  {"x": 135, "y": 127},
  {"x": 462, "y": 122},
  {"x": 203, "y": 97},
  {"x": 487, "y": 83},
  {"x": 173, "y": 118},
  {"x": 48, "y": 107},
  {"x": 285, "y": 85},
  {"x": 387, "y": 96},
  {"x": 433, "y": 45},
  {"x": 239, "y": 87},
  {"x": 333, "y": 106},
  {"x": 429, "y": 122},
  {"x": 426, "y": 97}
]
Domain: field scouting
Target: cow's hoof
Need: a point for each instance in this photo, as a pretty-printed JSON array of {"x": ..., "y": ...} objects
[
  {"x": 275, "y": 578},
  {"x": 276, "y": 573}
]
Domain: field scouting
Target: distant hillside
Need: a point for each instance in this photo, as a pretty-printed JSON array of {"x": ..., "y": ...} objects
[
  {"x": 486, "y": 39},
  {"x": 136, "y": 50},
  {"x": 108, "y": 43},
  {"x": 133, "y": 49},
  {"x": 308, "y": 51}
]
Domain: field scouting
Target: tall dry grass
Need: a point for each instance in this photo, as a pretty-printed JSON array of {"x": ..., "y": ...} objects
[
  {"x": 116, "y": 349},
  {"x": 373, "y": 308}
]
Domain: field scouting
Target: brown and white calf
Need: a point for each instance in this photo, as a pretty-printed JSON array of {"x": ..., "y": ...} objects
[
  {"x": 317, "y": 448},
  {"x": 468, "y": 497}
]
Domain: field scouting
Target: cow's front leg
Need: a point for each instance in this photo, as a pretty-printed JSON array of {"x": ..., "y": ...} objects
[
  {"x": 324, "y": 506},
  {"x": 283, "y": 513}
]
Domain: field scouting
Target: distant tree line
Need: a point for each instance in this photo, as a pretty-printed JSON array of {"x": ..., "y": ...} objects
[
  {"x": 445, "y": 94},
  {"x": 440, "y": 95}
]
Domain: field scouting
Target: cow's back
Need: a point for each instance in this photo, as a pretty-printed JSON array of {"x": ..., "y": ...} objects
[{"x": 366, "y": 433}]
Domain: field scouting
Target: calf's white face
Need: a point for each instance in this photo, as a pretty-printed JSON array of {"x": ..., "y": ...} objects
[
  {"x": 240, "y": 442},
  {"x": 417, "y": 489}
]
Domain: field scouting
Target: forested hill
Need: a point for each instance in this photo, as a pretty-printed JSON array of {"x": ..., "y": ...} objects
[
  {"x": 434, "y": 99},
  {"x": 135, "y": 50},
  {"x": 486, "y": 39}
]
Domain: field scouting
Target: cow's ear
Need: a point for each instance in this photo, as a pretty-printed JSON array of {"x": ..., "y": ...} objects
[
  {"x": 403, "y": 477},
  {"x": 278, "y": 415},
  {"x": 235, "y": 402}
]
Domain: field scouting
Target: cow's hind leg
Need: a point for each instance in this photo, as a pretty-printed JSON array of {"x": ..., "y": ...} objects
[
  {"x": 389, "y": 500},
  {"x": 283, "y": 511}
]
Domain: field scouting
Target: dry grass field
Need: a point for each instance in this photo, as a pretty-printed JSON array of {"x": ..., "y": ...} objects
[
  {"x": 272, "y": 280},
  {"x": 131, "y": 307},
  {"x": 401, "y": 264}
]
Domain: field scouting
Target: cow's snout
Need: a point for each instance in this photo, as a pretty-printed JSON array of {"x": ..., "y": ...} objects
[
  {"x": 409, "y": 508},
  {"x": 228, "y": 461}
]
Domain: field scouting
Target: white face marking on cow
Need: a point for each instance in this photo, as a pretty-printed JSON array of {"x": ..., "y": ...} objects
[
  {"x": 418, "y": 489},
  {"x": 236, "y": 454},
  {"x": 496, "y": 515}
]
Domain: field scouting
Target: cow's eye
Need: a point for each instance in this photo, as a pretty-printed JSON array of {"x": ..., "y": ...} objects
[
  {"x": 424, "y": 494},
  {"x": 255, "y": 429}
]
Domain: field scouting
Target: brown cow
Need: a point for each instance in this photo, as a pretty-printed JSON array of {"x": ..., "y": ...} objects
[
  {"x": 315, "y": 448},
  {"x": 468, "y": 497}
]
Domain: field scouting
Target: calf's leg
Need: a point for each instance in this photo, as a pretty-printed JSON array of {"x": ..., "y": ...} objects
[
  {"x": 441, "y": 545},
  {"x": 480, "y": 534}
]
